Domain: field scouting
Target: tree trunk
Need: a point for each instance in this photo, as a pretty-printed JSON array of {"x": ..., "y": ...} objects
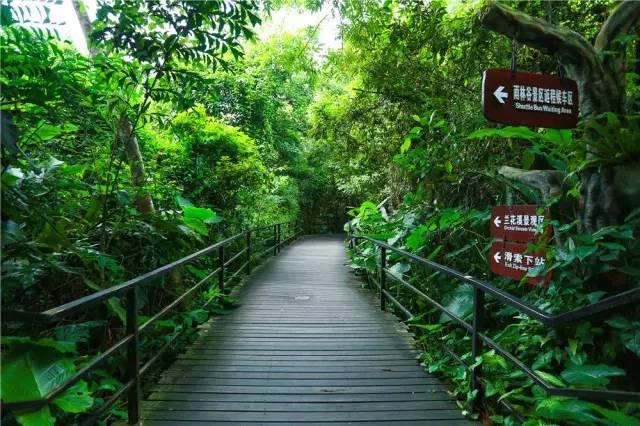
[
  {"x": 125, "y": 134},
  {"x": 143, "y": 201},
  {"x": 599, "y": 73}
]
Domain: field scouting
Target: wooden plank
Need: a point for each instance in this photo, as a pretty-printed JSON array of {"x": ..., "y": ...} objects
[
  {"x": 277, "y": 416},
  {"x": 318, "y": 362},
  {"x": 288, "y": 382},
  {"x": 414, "y": 373},
  {"x": 299, "y": 390},
  {"x": 328, "y": 398},
  {"x": 307, "y": 346},
  {"x": 207, "y": 365},
  {"x": 298, "y": 407}
]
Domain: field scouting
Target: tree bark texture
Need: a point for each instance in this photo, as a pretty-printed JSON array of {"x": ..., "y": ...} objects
[
  {"x": 143, "y": 201},
  {"x": 599, "y": 73},
  {"x": 125, "y": 134}
]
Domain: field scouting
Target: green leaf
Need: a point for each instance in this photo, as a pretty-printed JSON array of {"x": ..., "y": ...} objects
[
  {"x": 41, "y": 417},
  {"x": 576, "y": 411},
  {"x": 550, "y": 378},
  {"x": 48, "y": 131},
  {"x": 399, "y": 269},
  {"x": 33, "y": 374},
  {"x": 23, "y": 344},
  {"x": 460, "y": 303},
  {"x": 406, "y": 145},
  {"x": 197, "y": 225},
  {"x": 183, "y": 202},
  {"x": 204, "y": 214},
  {"x": 198, "y": 273},
  {"x": 116, "y": 307},
  {"x": 528, "y": 158},
  {"x": 505, "y": 132},
  {"x": 589, "y": 375},
  {"x": 77, "y": 399},
  {"x": 617, "y": 417}
]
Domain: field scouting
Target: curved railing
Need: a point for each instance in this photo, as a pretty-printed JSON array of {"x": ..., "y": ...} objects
[
  {"x": 276, "y": 236},
  {"x": 482, "y": 288}
]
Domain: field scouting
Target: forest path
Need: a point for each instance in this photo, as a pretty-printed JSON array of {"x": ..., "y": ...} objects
[{"x": 307, "y": 346}]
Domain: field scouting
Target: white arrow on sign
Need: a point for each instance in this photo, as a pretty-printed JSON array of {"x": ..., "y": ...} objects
[
  {"x": 497, "y": 257},
  {"x": 500, "y": 95},
  {"x": 497, "y": 221}
]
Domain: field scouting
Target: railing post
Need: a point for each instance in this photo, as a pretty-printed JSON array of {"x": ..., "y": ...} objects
[
  {"x": 279, "y": 237},
  {"x": 221, "y": 270},
  {"x": 248, "y": 252},
  {"x": 476, "y": 345},
  {"x": 383, "y": 277},
  {"x": 275, "y": 239},
  {"x": 133, "y": 363},
  {"x": 351, "y": 242}
]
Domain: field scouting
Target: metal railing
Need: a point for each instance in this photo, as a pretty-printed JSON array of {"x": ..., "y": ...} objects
[
  {"x": 478, "y": 338},
  {"x": 277, "y": 238}
]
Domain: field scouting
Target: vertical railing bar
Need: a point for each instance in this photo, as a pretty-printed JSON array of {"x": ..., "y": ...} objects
[
  {"x": 275, "y": 240},
  {"x": 383, "y": 277},
  {"x": 133, "y": 362},
  {"x": 279, "y": 237},
  {"x": 248, "y": 252},
  {"x": 476, "y": 345},
  {"x": 221, "y": 271}
]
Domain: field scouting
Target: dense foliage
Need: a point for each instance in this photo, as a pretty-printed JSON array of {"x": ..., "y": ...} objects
[
  {"x": 405, "y": 132},
  {"x": 181, "y": 127}
]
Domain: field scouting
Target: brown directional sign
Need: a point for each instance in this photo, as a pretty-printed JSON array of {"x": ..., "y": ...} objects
[
  {"x": 519, "y": 223},
  {"x": 512, "y": 260},
  {"x": 537, "y": 100}
]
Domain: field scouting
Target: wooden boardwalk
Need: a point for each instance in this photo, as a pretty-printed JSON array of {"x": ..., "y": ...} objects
[{"x": 308, "y": 346}]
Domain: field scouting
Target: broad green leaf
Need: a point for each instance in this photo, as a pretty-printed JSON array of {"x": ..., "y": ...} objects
[
  {"x": 203, "y": 214},
  {"x": 183, "y": 202},
  {"x": 617, "y": 417},
  {"x": 47, "y": 342},
  {"x": 528, "y": 158},
  {"x": 34, "y": 373},
  {"x": 399, "y": 269},
  {"x": 405, "y": 146},
  {"x": 48, "y": 131},
  {"x": 589, "y": 375},
  {"x": 505, "y": 132},
  {"x": 550, "y": 378},
  {"x": 116, "y": 308},
  {"x": 41, "y": 417},
  {"x": 197, "y": 225},
  {"x": 77, "y": 399},
  {"x": 460, "y": 303},
  {"x": 576, "y": 411},
  {"x": 198, "y": 273}
]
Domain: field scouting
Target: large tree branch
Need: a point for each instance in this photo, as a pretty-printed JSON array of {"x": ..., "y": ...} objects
[
  {"x": 621, "y": 21},
  {"x": 85, "y": 24},
  {"x": 537, "y": 33},
  {"x": 599, "y": 90},
  {"x": 548, "y": 182}
]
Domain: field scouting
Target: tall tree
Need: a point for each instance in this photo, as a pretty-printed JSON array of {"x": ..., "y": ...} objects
[
  {"x": 599, "y": 70},
  {"x": 161, "y": 37}
]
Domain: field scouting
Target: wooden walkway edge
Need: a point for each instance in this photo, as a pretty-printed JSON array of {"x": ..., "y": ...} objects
[{"x": 308, "y": 346}]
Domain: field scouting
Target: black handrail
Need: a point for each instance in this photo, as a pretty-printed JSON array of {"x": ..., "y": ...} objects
[
  {"x": 478, "y": 338},
  {"x": 130, "y": 340}
]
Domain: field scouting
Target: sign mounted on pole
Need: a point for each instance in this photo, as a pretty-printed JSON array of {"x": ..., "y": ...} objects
[
  {"x": 512, "y": 260},
  {"x": 519, "y": 223},
  {"x": 536, "y": 100},
  {"x": 513, "y": 227}
]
